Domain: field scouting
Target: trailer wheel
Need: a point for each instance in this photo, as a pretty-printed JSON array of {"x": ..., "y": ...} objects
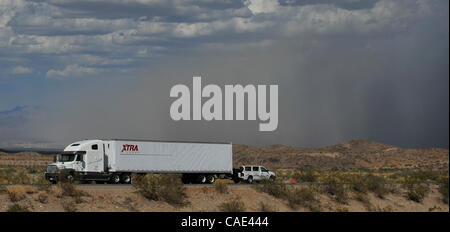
[
  {"x": 126, "y": 178},
  {"x": 210, "y": 179},
  {"x": 115, "y": 179},
  {"x": 201, "y": 179}
]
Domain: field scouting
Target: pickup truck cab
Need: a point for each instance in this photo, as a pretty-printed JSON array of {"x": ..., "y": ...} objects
[{"x": 251, "y": 173}]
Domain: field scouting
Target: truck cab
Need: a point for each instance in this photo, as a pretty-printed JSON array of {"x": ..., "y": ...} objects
[
  {"x": 251, "y": 173},
  {"x": 79, "y": 158}
]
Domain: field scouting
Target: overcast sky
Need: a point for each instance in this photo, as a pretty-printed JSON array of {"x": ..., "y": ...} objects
[{"x": 349, "y": 69}]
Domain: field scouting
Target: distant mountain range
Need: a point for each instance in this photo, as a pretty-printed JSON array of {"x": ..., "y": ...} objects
[{"x": 43, "y": 151}]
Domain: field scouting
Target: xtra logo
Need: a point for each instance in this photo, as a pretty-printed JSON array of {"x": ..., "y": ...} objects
[{"x": 129, "y": 147}]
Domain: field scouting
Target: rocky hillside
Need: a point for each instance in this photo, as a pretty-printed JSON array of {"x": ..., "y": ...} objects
[{"x": 352, "y": 154}]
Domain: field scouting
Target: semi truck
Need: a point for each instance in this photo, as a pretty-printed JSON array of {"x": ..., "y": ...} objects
[{"x": 115, "y": 160}]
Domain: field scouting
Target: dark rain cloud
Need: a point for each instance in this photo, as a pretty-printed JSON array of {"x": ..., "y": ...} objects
[{"x": 346, "y": 70}]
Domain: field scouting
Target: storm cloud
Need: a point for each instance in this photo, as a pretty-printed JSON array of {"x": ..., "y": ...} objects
[{"x": 346, "y": 70}]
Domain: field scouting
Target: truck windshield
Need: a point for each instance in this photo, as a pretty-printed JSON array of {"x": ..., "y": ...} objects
[{"x": 67, "y": 157}]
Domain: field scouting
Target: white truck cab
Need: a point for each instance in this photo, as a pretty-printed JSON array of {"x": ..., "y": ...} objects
[
  {"x": 80, "y": 157},
  {"x": 250, "y": 173}
]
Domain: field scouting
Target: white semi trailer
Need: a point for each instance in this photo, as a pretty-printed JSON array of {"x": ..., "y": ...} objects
[{"x": 114, "y": 160}]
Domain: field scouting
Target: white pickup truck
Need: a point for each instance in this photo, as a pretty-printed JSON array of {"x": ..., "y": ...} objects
[{"x": 250, "y": 173}]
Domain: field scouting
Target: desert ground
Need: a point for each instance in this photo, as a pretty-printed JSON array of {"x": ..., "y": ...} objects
[
  {"x": 208, "y": 199},
  {"x": 355, "y": 176}
]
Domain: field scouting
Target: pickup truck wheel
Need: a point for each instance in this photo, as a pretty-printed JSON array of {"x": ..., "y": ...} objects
[
  {"x": 126, "y": 178},
  {"x": 115, "y": 179},
  {"x": 210, "y": 179},
  {"x": 272, "y": 178},
  {"x": 250, "y": 179}
]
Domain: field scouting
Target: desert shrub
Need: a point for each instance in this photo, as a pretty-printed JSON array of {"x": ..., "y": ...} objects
[
  {"x": 16, "y": 192},
  {"x": 42, "y": 184},
  {"x": 167, "y": 187},
  {"x": 19, "y": 176},
  {"x": 377, "y": 185},
  {"x": 343, "y": 177},
  {"x": 71, "y": 190},
  {"x": 69, "y": 206},
  {"x": 33, "y": 170},
  {"x": 28, "y": 189},
  {"x": 417, "y": 193},
  {"x": 68, "y": 189},
  {"x": 42, "y": 198},
  {"x": 3, "y": 177},
  {"x": 337, "y": 190},
  {"x": 342, "y": 209},
  {"x": 423, "y": 175},
  {"x": 435, "y": 209},
  {"x": 6, "y": 175},
  {"x": 392, "y": 188},
  {"x": 221, "y": 187},
  {"x": 304, "y": 197},
  {"x": 17, "y": 208},
  {"x": 443, "y": 189},
  {"x": 305, "y": 175},
  {"x": 78, "y": 199},
  {"x": 364, "y": 199},
  {"x": 128, "y": 203},
  {"x": 206, "y": 189},
  {"x": 232, "y": 206},
  {"x": 281, "y": 174},
  {"x": 57, "y": 191},
  {"x": 358, "y": 185},
  {"x": 265, "y": 207},
  {"x": 3, "y": 189},
  {"x": 275, "y": 188}
]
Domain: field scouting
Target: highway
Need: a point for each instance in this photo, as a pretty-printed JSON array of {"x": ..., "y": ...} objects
[{"x": 232, "y": 185}]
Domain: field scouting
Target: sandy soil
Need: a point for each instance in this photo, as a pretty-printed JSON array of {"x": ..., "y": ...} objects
[{"x": 208, "y": 199}]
